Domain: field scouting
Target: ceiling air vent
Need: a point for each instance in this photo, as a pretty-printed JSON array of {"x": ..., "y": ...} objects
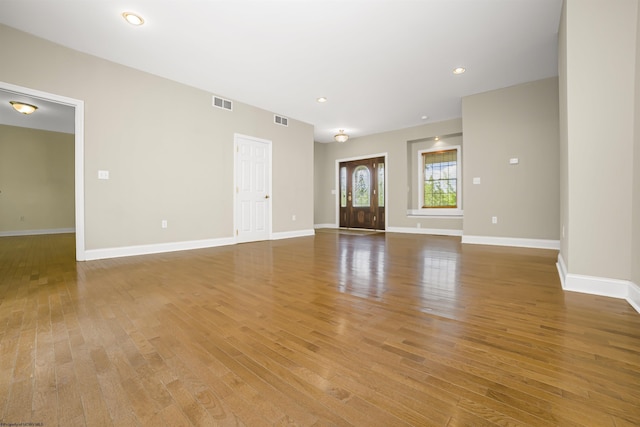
[
  {"x": 225, "y": 104},
  {"x": 279, "y": 120}
]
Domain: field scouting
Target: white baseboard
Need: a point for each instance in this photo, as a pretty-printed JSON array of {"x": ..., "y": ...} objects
[
  {"x": 325, "y": 226},
  {"x": 292, "y": 234},
  {"x": 37, "y": 232},
  {"x": 562, "y": 270},
  {"x": 512, "y": 241},
  {"x": 94, "y": 254},
  {"x": 634, "y": 296},
  {"x": 603, "y": 286},
  {"x": 432, "y": 231}
]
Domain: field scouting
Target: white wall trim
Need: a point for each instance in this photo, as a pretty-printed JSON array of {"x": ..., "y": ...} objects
[
  {"x": 291, "y": 234},
  {"x": 562, "y": 270},
  {"x": 593, "y": 285},
  {"x": 432, "y": 231},
  {"x": 316, "y": 226},
  {"x": 435, "y": 213},
  {"x": 603, "y": 286},
  {"x": 158, "y": 248},
  {"x": 633, "y": 297},
  {"x": 511, "y": 241},
  {"x": 37, "y": 232},
  {"x": 93, "y": 254}
]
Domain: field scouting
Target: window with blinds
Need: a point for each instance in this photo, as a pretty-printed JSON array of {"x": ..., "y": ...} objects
[{"x": 440, "y": 179}]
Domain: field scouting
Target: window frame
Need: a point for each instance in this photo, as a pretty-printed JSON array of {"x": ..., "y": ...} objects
[{"x": 422, "y": 211}]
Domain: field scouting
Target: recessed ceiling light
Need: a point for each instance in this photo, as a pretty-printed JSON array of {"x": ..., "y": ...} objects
[
  {"x": 132, "y": 18},
  {"x": 23, "y": 108},
  {"x": 437, "y": 138},
  {"x": 459, "y": 70},
  {"x": 321, "y": 99},
  {"x": 424, "y": 117}
]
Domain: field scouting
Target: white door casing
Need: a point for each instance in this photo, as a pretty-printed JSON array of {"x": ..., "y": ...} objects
[{"x": 252, "y": 206}]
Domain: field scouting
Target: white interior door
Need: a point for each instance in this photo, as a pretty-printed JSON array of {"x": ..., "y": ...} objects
[{"x": 253, "y": 189}]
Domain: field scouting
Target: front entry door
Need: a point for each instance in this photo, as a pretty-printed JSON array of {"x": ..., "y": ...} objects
[
  {"x": 253, "y": 177},
  {"x": 362, "y": 193}
]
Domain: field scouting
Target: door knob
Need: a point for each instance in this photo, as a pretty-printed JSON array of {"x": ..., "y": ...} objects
[{"x": 266, "y": 196}]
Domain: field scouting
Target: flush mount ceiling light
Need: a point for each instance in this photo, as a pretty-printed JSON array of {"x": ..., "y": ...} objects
[
  {"x": 133, "y": 19},
  {"x": 321, "y": 99},
  {"x": 341, "y": 136},
  {"x": 23, "y": 108},
  {"x": 459, "y": 70}
]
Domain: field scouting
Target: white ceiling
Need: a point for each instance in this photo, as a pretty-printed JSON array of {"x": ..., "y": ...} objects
[
  {"x": 49, "y": 115},
  {"x": 382, "y": 64}
]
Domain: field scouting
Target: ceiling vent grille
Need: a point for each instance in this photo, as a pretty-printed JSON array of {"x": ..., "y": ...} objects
[
  {"x": 225, "y": 104},
  {"x": 280, "y": 120}
]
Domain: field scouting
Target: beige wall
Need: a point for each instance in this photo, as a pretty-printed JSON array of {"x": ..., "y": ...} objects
[
  {"x": 396, "y": 144},
  {"x": 165, "y": 161},
  {"x": 564, "y": 136},
  {"x": 323, "y": 207},
  {"x": 599, "y": 63},
  {"x": 36, "y": 180},
  {"x": 635, "y": 239},
  {"x": 516, "y": 122}
]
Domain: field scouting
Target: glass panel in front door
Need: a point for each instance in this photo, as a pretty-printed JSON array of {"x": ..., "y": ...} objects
[{"x": 361, "y": 187}]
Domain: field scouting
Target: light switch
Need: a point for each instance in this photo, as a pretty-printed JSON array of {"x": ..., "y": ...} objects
[
  {"x": 103, "y": 174},
  {"x": 514, "y": 161},
  {"x": 476, "y": 180}
]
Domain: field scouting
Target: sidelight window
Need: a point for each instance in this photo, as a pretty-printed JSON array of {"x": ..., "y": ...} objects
[{"x": 343, "y": 186}]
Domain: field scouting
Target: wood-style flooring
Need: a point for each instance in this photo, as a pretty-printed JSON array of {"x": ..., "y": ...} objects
[{"x": 336, "y": 329}]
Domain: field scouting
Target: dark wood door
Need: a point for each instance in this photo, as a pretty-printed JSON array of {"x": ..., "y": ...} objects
[{"x": 362, "y": 193}]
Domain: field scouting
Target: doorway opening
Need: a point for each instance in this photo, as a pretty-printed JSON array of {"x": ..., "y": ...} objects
[
  {"x": 78, "y": 106},
  {"x": 362, "y": 193}
]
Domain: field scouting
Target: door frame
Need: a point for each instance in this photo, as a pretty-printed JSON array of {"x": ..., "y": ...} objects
[
  {"x": 79, "y": 154},
  {"x": 386, "y": 185},
  {"x": 236, "y": 137}
]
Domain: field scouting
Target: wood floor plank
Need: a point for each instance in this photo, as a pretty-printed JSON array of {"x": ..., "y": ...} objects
[{"x": 356, "y": 329}]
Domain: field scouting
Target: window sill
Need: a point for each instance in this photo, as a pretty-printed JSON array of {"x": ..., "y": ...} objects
[{"x": 436, "y": 213}]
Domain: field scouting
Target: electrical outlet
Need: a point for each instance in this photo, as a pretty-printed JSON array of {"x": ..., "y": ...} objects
[
  {"x": 164, "y": 223},
  {"x": 103, "y": 174},
  {"x": 418, "y": 225},
  {"x": 494, "y": 220},
  {"x": 293, "y": 217}
]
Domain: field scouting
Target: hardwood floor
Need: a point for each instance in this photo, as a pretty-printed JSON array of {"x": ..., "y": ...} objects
[{"x": 338, "y": 329}]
